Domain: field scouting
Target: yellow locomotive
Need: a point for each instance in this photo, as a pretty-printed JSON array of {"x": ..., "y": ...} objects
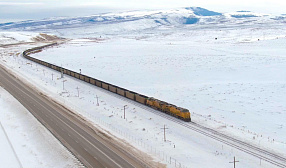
[{"x": 170, "y": 109}]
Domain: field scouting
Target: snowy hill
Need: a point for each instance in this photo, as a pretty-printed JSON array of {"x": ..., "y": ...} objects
[{"x": 140, "y": 20}]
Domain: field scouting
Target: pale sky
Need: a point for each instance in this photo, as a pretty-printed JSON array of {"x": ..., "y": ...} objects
[{"x": 11, "y": 10}]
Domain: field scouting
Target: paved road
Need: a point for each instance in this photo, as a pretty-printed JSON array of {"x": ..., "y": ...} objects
[{"x": 89, "y": 146}]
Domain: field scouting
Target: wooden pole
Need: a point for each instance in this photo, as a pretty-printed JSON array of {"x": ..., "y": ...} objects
[
  {"x": 164, "y": 132},
  {"x": 124, "y": 110},
  {"x": 64, "y": 84},
  {"x": 77, "y": 91},
  {"x": 234, "y": 161},
  {"x": 97, "y": 101}
]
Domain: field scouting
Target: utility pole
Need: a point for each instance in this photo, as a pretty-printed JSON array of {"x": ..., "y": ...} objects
[
  {"x": 124, "y": 110},
  {"x": 234, "y": 161},
  {"x": 164, "y": 132},
  {"x": 97, "y": 100},
  {"x": 62, "y": 72},
  {"x": 64, "y": 84},
  {"x": 77, "y": 91}
]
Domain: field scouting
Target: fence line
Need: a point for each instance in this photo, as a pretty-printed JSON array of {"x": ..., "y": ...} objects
[{"x": 149, "y": 148}]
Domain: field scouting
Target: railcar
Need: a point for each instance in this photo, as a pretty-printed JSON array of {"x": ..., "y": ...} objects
[
  {"x": 120, "y": 91},
  {"x": 112, "y": 88},
  {"x": 92, "y": 81},
  {"x": 87, "y": 79},
  {"x": 81, "y": 77},
  {"x": 141, "y": 98},
  {"x": 130, "y": 95},
  {"x": 98, "y": 83},
  {"x": 105, "y": 86}
]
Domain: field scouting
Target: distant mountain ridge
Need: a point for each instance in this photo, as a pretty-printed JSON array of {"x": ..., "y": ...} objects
[{"x": 145, "y": 19}]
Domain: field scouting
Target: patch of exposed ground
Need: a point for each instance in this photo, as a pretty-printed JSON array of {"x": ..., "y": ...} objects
[{"x": 46, "y": 38}]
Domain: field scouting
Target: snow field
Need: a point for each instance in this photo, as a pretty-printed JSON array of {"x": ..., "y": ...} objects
[
  {"x": 141, "y": 128},
  {"x": 5, "y": 146},
  {"x": 16, "y": 37},
  {"x": 225, "y": 85}
]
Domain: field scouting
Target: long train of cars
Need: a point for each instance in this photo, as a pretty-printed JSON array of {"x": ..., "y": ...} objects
[{"x": 165, "y": 107}]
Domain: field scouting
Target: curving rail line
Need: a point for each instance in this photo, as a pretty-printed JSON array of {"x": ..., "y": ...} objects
[{"x": 260, "y": 153}]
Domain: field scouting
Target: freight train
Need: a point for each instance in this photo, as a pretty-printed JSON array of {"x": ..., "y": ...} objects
[{"x": 165, "y": 107}]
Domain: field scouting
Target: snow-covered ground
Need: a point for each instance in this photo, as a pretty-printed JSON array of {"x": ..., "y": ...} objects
[
  {"x": 141, "y": 128},
  {"x": 24, "y": 142},
  {"x": 16, "y": 37},
  {"x": 221, "y": 81},
  {"x": 231, "y": 77}
]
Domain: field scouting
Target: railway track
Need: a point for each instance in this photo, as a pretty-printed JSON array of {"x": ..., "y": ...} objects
[
  {"x": 260, "y": 153},
  {"x": 238, "y": 144}
]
